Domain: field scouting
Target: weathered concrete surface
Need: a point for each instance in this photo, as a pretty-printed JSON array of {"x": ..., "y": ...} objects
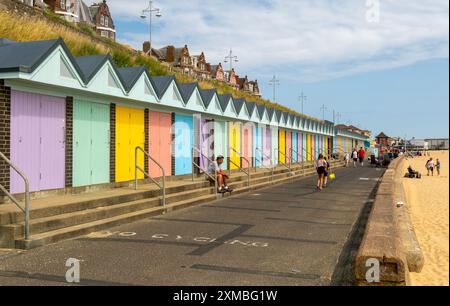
[
  {"x": 389, "y": 236},
  {"x": 408, "y": 238},
  {"x": 283, "y": 235}
]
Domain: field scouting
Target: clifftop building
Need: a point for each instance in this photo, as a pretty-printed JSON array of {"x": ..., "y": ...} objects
[{"x": 97, "y": 15}]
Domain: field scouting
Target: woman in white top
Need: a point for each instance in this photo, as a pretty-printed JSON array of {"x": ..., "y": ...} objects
[
  {"x": 321, "y": 165},
  {"x": 355, "y": 157},
  {"x": 347, "y": 159},
  {"x": 430, "y": 167}
]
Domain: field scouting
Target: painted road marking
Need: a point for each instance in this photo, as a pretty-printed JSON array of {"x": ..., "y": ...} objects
[
  {"x": 369, "y": 179},
  {"x": 211, "y": 240},
  {"x": 127, "y": 234}
]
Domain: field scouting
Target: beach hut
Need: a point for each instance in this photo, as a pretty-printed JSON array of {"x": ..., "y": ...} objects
[
  {"x": 183, "y": 143},
  {"x": 91, "y": 143},
  {"x": 247, "y": 144},
  {"x": 221, "y": 140},
  {"x": 282, "y": 146},
  {"x": 310, "y": 147},
  {"x": 160, "y": 142},
  {"x": 130, "y": 133},
  {"x": 37, "y": 145},
  {"x": 300, "y": 146},
  {"x": 267, "y": 146},
  {"x": 294, "y": 147},
  {"x": 235, "y": 132},
  {"x": 288, "y": 147},
  {"x": 258, "y": 142},
  {"x": 207, "y": 140}
]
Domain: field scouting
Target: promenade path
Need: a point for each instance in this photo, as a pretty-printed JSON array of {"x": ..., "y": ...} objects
[{"x": 283, "y": 235}]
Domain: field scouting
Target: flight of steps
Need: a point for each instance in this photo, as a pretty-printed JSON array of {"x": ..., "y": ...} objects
[{"x": 80, "y": 215}]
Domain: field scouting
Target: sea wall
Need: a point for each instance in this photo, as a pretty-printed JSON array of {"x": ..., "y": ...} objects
[{"x": 389, "y": 249}]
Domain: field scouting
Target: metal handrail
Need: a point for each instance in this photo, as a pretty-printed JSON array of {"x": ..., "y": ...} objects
[
  {"x": 292, "y": 154},
  {"x": 305, "y": 157},
  {"x": 26, "y": 209},
  {"x": 239, "y": 167},
  {"x": 137, "y": 167},
  {"x": 262, "y": 161},
  {"x": 288, "y": 166},
  {"x": 194, "y": 164}
]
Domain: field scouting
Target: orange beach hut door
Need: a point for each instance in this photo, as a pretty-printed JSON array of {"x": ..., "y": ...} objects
[{"x": 160, "y": 143}]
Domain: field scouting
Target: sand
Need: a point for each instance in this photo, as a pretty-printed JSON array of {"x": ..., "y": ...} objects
[{"x": 428, "y": 201}]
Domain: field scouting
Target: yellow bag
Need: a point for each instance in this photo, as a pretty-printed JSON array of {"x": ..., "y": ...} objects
[{"x": 332, "y": 176}]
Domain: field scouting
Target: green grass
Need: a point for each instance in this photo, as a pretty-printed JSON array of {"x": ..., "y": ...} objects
[{"x": 82, "y": 41}]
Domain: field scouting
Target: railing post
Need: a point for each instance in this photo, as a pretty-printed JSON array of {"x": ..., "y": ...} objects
[
  {"x": 216, "y": 185},
  {"x": 135, "y": 169},
  {"x": 248, "y": 167},
  {"x": 27, "y": 210},
  {"x": 164, "y": 189},
  {"x": 193, "y": 161}
]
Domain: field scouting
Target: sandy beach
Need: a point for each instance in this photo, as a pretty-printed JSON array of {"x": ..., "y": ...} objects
[{"x": 428, "y": 200}]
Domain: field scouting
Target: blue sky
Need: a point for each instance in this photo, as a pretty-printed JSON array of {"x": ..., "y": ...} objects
[{"x": 382, "y": 64}]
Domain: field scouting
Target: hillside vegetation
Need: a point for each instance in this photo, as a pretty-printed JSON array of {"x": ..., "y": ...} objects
[{"x": 82, "y": 41}]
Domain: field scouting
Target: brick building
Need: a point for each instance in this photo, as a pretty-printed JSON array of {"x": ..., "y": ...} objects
[
  {"x": 176, "y": 57},
  {"x": 97, "y": 15}
]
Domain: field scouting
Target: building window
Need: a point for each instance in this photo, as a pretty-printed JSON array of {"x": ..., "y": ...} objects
[
  {"x": 106, "y": 21},
  {"x": 104, "y": 34},
  {"x": 102, "y": 20},
  {"x": 62, "y": 4}
]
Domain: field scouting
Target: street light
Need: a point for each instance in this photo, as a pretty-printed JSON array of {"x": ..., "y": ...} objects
[
  {"x": 150, "y": 10},
  {"x": 230, "y": 58}
]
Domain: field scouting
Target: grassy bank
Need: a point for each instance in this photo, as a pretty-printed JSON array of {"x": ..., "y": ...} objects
[{"x": 81, "y": 41}]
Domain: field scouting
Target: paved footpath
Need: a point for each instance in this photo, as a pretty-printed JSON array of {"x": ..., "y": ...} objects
[{"x": 284, "y": 235}]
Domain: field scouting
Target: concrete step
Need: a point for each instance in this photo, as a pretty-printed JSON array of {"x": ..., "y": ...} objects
[
  {"x": 133, "y": 211},
  {"x": 54, "y": 222},
  {"x": 59, "y": 205}
]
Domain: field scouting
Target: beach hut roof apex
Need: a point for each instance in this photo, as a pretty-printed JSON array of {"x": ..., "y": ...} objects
[
  {"x": 224, "y": 100},
  {"x": 207, "y": 96},
  {"x": 161, "y": 84},
  {"x": 26, "y": 56},
  {"x": 186, "y": 90}
]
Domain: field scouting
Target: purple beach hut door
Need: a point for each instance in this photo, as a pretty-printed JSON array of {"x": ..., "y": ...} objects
[{"x": 37, "y": 141}]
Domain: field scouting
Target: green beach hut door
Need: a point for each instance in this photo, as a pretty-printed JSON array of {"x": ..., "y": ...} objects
[{"x": 90, "y": 143}]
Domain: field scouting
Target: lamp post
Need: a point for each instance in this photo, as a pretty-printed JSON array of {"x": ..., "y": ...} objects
[
  {"x": 302, "y": 100},
  {"x": 230, "y": 58},
  {"x": 274, "y": 82},
  {"x": 150, "y": 10}
]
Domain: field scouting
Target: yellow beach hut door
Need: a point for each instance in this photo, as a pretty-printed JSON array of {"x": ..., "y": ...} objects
[
  {"x": 282, "y": 146},
  {"x": 129, "y": 135},
  {"x": 235, "y": 143}
]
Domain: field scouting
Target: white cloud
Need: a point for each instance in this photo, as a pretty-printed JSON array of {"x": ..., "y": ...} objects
[{"x": 303, "y": 40}]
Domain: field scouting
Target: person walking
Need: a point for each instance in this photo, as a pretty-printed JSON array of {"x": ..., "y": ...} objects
[
  {"x": 438, "y": 167},
  {"x": 327, "y": 173},
  {"x": 346, "y": 159},
  {"x": 361, "y": 156},
  {"x": 430, "y": 167},
  {"x": 355, "y": 157},
  {"x": 320, "y": 167}
]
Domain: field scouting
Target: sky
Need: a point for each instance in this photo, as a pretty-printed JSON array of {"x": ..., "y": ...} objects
[{"x": 383, "y": 65}]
